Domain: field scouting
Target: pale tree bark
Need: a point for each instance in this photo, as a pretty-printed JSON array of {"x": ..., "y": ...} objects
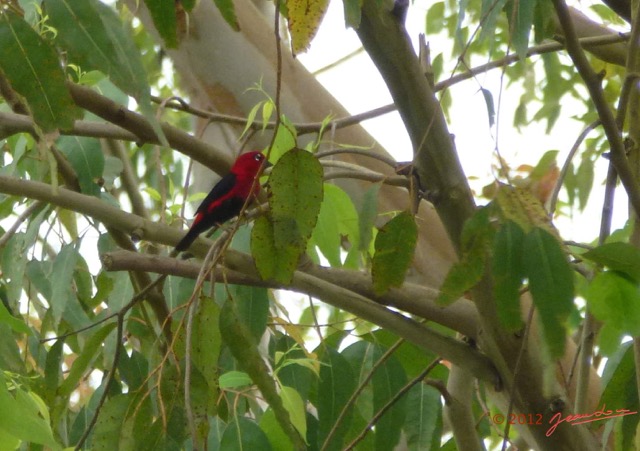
[{"x": 218, "y": 65}]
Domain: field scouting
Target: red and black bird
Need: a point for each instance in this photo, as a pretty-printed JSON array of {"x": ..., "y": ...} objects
[{"x": 227, "y": 197}]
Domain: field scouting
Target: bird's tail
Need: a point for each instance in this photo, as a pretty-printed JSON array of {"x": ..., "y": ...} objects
[{"x": 185, "y": 242}]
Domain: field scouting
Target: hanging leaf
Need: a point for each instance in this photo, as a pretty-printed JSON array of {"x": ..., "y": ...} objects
[
  {"x": 520, "y": 17},
  {"x": 508, "y": 273},
  {"x": 337, "y": 220},
  {"x": 337, "y": 382},
  {"x": 295, "y": 196},
  {"x": 463, "y": 276},
  {"x": 253, "y": 308},
  {"x": 33, "y": 69},
  {"x": 490, "y": 12},
  {"x": 388, "y": 378},
  {"x": 87, "y": 159},
  {"x": 424, "y": 418},
  {"x": 304, "y": 17},
  {"x": 394, "y": 245},
  {"x": 81, "y": 364},
  {"x": 228, "y": 11},
  {"x": 164, "y": 18},
  {"x": 475, "y": 240},
  {"x": 61, "y": 280},
  {"x": 491, "y": 109},
  {"x": 551, "y": 283}
]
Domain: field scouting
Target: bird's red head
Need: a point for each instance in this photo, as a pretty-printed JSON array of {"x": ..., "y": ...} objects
[{"x": 249, "y": 164}]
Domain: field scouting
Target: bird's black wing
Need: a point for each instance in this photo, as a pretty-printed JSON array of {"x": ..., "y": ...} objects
[{"x": 221, "y": 188}]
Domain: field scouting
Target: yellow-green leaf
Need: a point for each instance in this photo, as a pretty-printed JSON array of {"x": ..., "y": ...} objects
[{"x": 304, "y": 20}]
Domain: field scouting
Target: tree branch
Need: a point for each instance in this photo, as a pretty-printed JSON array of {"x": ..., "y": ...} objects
[
  {"x": 436, "y": 163},
  {"x": 593, "y": 83},
  {"x": 243, "y": 271}
]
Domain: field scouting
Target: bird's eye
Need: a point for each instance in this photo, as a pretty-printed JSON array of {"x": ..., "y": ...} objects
[{"x": 259, "y": 157}]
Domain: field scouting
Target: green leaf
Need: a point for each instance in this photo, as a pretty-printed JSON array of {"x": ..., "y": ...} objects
[
  {"x": 621, "y": 392},
  {"x": 543, "y": 21},
  {"x": 614, "y": 300},
  {"x": 296, "y": 190},
  {"x": 109, "y": 431},
  {"x": 508, "y": 273},
  {"x": 81, "y": 364},
  {"x": 368, "y": 214},
  {"x": 253, "y": 308},
  {"x": 584, "y": 177},
  {"x": 87, "y": 160},
  {"x": 17, "y": 324},
  {"x": 394, "y": 248},
  {"x": 435, "y": 17},
  {"x": 551, "y": 284},
  {"x": 424, "y": 418},
  {"x": 274, "y": 262},
  {"x": 62, "y": 280},
  {"x": 352, "y": 13},
  {"x": 279, "y": 239},
  {"x": 388, "y": 378},
  {"x": 292, "y": 402},
  {"x": 490, "y": 11},
  {"x": 14, "y": 264},
  {"x": 21, "y": 418},
  {"x": 491, "y": 109},
  {"x": 235, "y": 379},
  {"x": 33, "y": 69},
  {"x": 206, "y": 341},
  {"x": 163, "y": 14},
  {"x": 133, "y": 370},
  {"x": 337, "y": 383},
  {"x": 618, "y": 256},
  {"x": 93, "y": 35},
  {"x": 244, "y": 434},
  {"x": 476, "y": 237},
  {"x": 227, "y": 9},
  {"x": 520, "y": 16},
  {"x": 237, "y": 337},
  {"x": 337, "y": 220},
  {"x": 277, "y": 438}
]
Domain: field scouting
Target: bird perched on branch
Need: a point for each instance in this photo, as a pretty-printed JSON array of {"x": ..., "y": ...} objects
[{"x": 227, "y": 197}]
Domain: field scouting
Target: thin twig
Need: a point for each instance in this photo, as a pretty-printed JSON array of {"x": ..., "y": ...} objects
[
  {"x": 516, "y": 373},
  {"x": 354, "y": 396},
  {"x": 553, "y": 200},
  {"x": 384, "y": 409},
  {"x": 31, "y": 209},
  {"x": 593, "y": 84},
  {"x": 110, "y": 376},
  {"x": 364, "y": 152}
]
